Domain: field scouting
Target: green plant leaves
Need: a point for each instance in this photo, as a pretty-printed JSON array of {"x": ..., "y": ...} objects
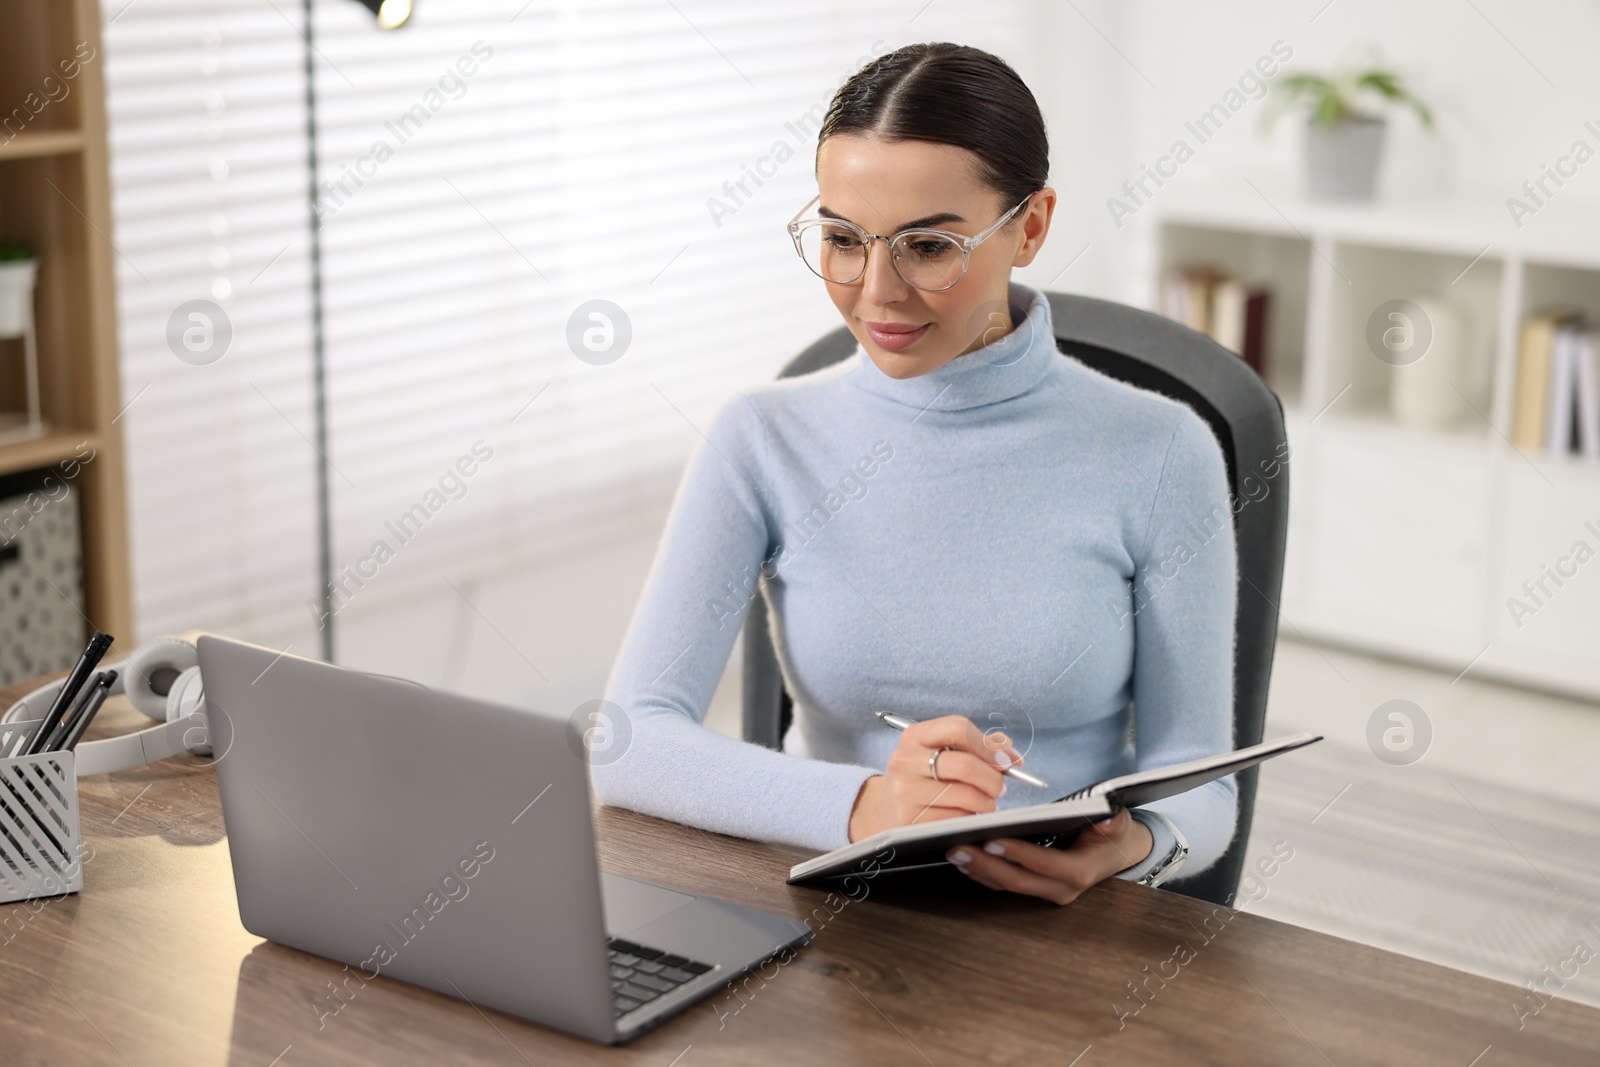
[
  {"x": 14, "y": 251},
  {"x": 1330, "y": 100}
]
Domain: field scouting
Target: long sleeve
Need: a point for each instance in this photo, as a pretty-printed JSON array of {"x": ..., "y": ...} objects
[
  {"x": 700, "y": 584},
  {"x": 1184, "y": 593},
  {"x": 898, "y": 524}
]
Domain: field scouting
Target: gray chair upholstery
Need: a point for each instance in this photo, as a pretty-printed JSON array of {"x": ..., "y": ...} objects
[{"x": 1155, "y": 353}]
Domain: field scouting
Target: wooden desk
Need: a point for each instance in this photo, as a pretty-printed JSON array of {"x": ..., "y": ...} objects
[{"x": 149, "y": 965}]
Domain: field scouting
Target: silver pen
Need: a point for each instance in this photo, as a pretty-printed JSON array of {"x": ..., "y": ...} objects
[{"x": 1013, "y": 771}]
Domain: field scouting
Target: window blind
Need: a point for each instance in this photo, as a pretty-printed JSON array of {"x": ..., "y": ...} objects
[{"x": 489, "y": 170}]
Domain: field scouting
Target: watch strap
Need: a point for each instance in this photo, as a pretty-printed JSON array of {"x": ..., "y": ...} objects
[{"x": 1171, "y": 863}]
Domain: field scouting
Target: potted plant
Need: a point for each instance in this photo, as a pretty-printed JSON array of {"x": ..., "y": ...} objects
[
  {"x": 1344, "y": 132},
  {"x": 18, "y": 268}
]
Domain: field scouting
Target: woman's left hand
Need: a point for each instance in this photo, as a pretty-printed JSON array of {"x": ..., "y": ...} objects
[{"x": 1058, "y": 875}]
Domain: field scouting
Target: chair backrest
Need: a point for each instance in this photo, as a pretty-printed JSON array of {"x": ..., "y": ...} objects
[{"x": 1155, "y": 353}]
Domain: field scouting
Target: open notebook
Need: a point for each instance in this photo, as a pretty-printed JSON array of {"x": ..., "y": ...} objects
[{"x": 924, "y": 844}]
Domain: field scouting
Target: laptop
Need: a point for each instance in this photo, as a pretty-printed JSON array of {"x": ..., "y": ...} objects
[{"x": 448, "y": 842}]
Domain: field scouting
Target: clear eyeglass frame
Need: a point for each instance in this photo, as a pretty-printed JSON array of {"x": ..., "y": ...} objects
[{"x": 797, "y": 227}]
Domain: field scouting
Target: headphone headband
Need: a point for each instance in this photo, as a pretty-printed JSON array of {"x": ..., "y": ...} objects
[
  {"x": 169, "y": 661},
  {"x": 37, "y": 703}
]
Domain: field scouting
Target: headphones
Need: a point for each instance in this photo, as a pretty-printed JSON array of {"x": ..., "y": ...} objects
[{"x": 161, "y": 679}]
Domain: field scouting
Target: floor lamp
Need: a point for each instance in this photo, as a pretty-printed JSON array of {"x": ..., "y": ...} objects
[{"x": 390, "y": 15}]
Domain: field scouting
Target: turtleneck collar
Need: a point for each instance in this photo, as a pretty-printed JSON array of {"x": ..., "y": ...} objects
[{"x": 999, "y": 371}]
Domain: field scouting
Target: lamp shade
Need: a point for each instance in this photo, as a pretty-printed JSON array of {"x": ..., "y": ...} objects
[{"x": 391, "y": 14}]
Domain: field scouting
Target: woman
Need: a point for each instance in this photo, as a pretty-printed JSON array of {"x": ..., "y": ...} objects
[{"x": 957, "y": 525}]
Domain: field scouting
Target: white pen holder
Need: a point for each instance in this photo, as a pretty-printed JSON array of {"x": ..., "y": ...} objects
[{"x": 39, "y": 827}]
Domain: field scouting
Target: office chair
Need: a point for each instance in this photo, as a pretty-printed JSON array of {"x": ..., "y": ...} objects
[{"x": 1155, "y": 353}]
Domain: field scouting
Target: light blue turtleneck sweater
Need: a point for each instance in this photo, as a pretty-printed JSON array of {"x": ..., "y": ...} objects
[{"x": 1012, "y": 537}]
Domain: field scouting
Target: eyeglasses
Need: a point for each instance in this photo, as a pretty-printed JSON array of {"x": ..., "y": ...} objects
[{"x": 931, "y": 260}]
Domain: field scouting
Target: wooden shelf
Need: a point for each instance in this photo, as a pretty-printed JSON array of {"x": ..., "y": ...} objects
[
  {"x": 1405, "y": 541},
  {"x": 30, "y": 144},
  {"x": 51, "y": 447},
  {"x": 55, "y": 196},
  {"x": 1463, "y": 222}
]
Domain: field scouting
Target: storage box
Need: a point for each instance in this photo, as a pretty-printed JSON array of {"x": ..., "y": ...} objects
[
  {"x": 41, "y": 576},
  {"x": 40, "y": 853}
]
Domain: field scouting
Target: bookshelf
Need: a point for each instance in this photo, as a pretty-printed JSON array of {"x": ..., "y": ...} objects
[
  {"x": 54, "y": 195},
  {"x": 1407, "y": 542}
]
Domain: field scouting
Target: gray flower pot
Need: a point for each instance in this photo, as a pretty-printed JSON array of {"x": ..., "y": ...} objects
[{"x": 1342, "y": 160}]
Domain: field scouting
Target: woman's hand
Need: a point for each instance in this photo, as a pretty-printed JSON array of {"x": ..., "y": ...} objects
[
  {"x": 969, "y": 776},
  {"x": 1058, "y": 875}
]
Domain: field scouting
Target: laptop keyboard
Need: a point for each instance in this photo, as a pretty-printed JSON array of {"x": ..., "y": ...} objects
[{"x": 640, "y": 974}]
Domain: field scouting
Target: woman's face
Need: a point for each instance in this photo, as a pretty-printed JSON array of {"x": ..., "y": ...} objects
[{"x": 888, "y": 186}]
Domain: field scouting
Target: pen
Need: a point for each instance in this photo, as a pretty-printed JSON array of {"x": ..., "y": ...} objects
[
  {"x": 69, "y": 692},
  {"x": 86, "y": 709},
  {"x": 53, "y": 740},
  {"x": 1014, "y": 771}
]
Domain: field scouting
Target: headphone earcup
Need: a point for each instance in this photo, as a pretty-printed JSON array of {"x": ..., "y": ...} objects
[
  {"x": 188, "y": 697},
  {"x": 152, "y": 673}
]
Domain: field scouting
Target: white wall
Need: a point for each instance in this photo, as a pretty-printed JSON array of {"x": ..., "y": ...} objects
[{"x": 1511, "y": 85}]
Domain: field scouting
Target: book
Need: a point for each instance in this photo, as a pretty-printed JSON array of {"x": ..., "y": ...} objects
[
  {"x": 1563, "y": 374},
  {"x": 1188, "y": 296},
  {"x": 1528, "y": 426},
  {"x": 1588, "y": 386},
  {"x": 923, "y": 845},
  {"x": 1228, "y": 298},
  {"x": 1255, "y": 330},
  {"x": 1174, "y": 297},
  {"x": 1197, "y": 299},
  {"x": 1225, "y": 308}
]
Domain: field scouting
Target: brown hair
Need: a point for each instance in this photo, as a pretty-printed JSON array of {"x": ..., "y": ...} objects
[{"x": 950, "y": 94}]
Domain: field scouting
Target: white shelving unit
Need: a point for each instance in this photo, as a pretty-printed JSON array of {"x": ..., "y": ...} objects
[{"x": 1405, "y": 542}]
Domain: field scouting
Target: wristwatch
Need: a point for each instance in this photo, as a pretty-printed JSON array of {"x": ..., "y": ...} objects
[{"x": 1172, "y": 862}]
